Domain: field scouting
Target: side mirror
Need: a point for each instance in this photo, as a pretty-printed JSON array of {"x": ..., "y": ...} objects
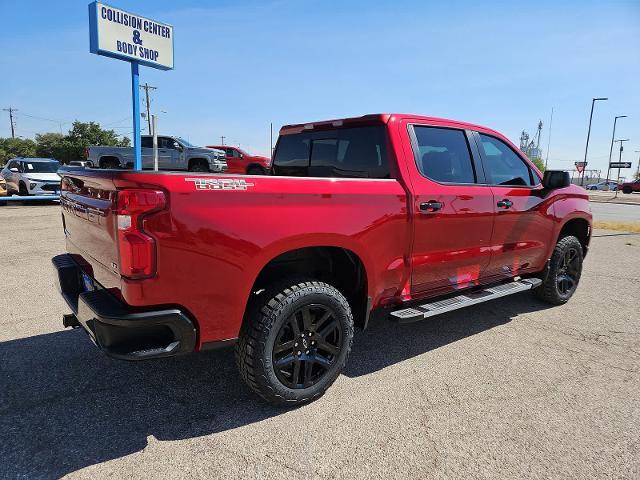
[
  {"x": 177, "y": 146},
  {"x": 554, "y": 179},
  {"x": 14, "y": 170}
]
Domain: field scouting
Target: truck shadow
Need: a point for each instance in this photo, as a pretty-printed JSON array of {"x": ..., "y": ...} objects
[{"x": 65, "y": 406}]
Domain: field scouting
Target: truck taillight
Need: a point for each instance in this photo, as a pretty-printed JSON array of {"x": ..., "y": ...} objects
[{"x": 137, "y": 249}]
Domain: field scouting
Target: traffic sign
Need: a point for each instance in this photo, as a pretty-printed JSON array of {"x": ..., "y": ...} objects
[
  {"x": 620, "y": 165},
  {"x": 580, "y": 166}
]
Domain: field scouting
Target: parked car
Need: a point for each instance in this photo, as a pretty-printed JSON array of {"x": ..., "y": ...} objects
[
  {"x": 630, "y": 187},
  {"x": 393, "y": 216},
  {"x": 32, "y": 176},
  {"x": 3, "y": 187},
  {"x": 613, "y": 186},
  {"x": 239, "y": 161},
  {"x": 174, "y": 153}
]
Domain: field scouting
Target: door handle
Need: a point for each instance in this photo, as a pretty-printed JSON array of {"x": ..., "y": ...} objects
[
  {"x": 430, "y": 206},
  {"x": 506, "y": 203}
]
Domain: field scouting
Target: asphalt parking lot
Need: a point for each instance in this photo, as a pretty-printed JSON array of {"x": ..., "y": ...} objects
[{"x": 508, "y": 389}]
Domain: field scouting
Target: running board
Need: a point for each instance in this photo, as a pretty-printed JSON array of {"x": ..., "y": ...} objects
[{"x": 408, "y": 315}]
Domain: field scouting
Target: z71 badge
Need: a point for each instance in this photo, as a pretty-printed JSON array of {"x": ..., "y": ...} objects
[{"x": 219, "y": 183}]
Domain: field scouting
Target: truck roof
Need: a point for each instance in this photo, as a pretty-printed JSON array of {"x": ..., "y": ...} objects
[{"x": 377, "y": 118}]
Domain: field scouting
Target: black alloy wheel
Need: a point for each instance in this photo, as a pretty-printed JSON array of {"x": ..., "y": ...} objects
[
  {"x": 568, "y": 272},
  {"x": 563, "y": 274},
  {"x": 306, "y": 346},
  {"x": 295, "y": 340}
]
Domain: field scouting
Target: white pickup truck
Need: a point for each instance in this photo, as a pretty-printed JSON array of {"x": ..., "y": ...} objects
[{"x": 174, "y": 153}]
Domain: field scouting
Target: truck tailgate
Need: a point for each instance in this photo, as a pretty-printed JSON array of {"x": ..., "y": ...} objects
[{"x": 88, "y": 201}]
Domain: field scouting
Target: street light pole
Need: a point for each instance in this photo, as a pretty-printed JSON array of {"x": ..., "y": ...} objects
[
  {"x": 611, "y": 149},
  {"x": 586, "y": 148}
]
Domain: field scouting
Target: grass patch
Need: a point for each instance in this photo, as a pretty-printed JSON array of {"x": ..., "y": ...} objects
[{"x": 620, "y": 226}]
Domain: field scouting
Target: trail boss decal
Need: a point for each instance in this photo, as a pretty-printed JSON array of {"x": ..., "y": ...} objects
[{"x": 219, "y": 183}]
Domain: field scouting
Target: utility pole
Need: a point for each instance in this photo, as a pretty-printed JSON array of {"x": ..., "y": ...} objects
[
  {"x": 13, "y": 126},
  {"x": 638, "y": 170},
  {"x": 546, "y": 160},
  {"x": 146, "y": 87},
  {"x": 222, "y": 137},
  {"x": 271, "y": 126},
  {"x": 586, "y": 148},
  {"x": 611, "y": 149}
]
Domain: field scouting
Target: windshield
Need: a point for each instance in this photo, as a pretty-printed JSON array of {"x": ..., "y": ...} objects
[
  {"x": 185, "y": 143},
  {"x": 40, "y": 167}
]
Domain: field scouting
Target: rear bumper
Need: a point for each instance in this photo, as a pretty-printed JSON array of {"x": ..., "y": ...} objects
[{"x": 119, "y": 330}]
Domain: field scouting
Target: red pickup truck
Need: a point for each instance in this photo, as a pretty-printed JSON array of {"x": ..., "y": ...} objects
[
  {"x": 399, "y": 216},
  {"x": 239, "y": 161}
]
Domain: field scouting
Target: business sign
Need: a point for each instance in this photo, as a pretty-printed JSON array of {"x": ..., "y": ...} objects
[
  {"x": 127, "y": 36},
  {"x": 620, "y": 165},
  {"x": 580, "y": 166}
]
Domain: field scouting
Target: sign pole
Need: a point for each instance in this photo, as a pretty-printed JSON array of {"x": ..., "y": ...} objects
[
  {"x": 155, "y": 142},
  {"x": 135, "y": 97}
]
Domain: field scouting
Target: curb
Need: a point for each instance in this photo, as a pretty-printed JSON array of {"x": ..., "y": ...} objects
[{"x": 615, "y": 203}]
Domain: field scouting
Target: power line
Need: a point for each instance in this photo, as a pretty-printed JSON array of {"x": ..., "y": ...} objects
[{"x": 13, "y": 126}]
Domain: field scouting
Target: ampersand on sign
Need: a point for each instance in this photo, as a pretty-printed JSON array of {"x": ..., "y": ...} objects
[{"x": 136, "y": 37}]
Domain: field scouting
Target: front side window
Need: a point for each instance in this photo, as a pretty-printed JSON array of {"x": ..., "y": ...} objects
[
  {"x": 166, "y": 142},
  {"x": 146, "y": 142},
  {"x": 359, "y": 152},
  {"x": 443, "y": 155},
  {"x": 503, "y": 165}
]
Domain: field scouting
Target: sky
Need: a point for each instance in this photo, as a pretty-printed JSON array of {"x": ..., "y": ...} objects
[{"x": 240, "y": 66}]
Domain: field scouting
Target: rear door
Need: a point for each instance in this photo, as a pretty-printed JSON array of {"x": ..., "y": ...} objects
[
  {"x": 168, "y": 156},
  {"x": 452, "y": 210},
  {"x": 147, "y": 151},
  {"x": 523, "y": 225},
  {"x": 12, "y": 177}
]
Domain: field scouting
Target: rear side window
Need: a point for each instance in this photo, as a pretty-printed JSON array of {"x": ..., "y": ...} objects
[
  {"x": 146, "y": 142},
  {"x": 503, "y": 165},
  {"x": 443, "y": 155},
  {"x": 347, "y": 153}
]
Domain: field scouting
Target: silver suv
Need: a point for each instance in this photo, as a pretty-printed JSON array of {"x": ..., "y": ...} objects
[{"x": 32, "y": 176}]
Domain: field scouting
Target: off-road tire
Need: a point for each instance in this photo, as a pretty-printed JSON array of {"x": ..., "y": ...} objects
[
  {"x": 627, "y": 190},
  {"x": 198, "y": 166},
  {"x": 255, "y": 170},
  {"x": 549, "y": 291},
  {"x": 266, "y": 315},
  {"x": 109, "y": 164},
  {"x": 23, "y": 190}
]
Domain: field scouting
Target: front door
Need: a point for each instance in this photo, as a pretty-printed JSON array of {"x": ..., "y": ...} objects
[
  {"x": 522, "y": 227},
  {"x": 168, "y": 155},
  {"x": 452, "y": 212}
]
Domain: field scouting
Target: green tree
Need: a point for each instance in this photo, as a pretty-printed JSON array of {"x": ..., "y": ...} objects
[
  {"x": 538, "y": 162},
  {"x": 16, "y": 147},
  {"x": 61, "y": 147},
  {"x": 85, "y": 134},
  {"x": 50, "y": 145}
]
